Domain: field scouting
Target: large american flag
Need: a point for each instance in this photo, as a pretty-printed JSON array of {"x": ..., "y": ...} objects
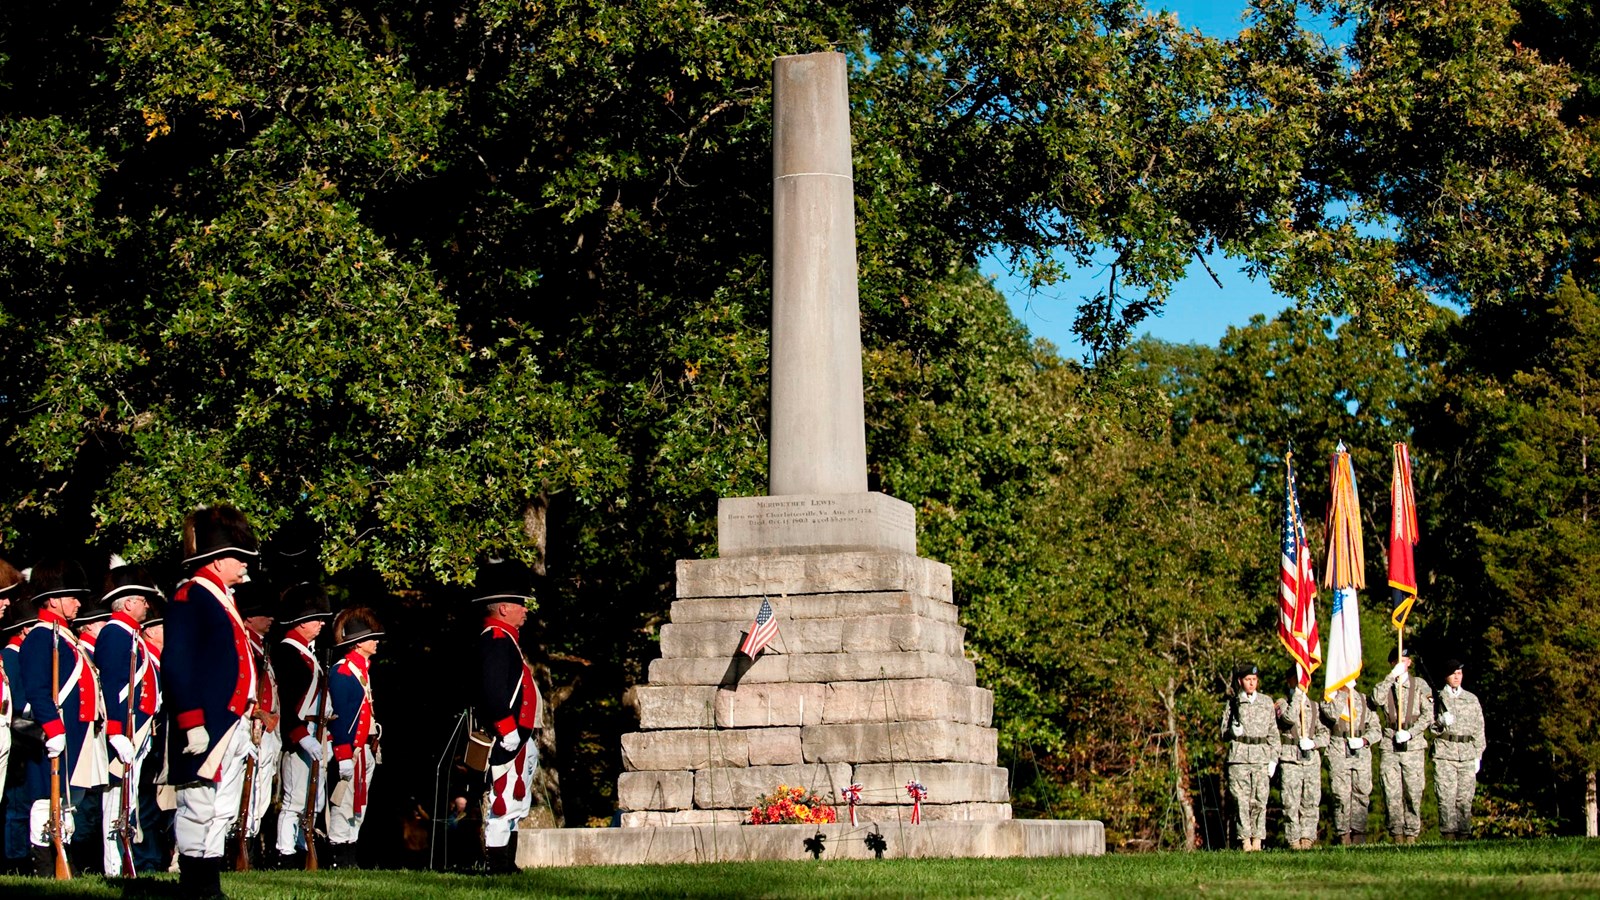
[
  {"x": 1297, "y": 594},
  {"x": 761, "y": 632}
]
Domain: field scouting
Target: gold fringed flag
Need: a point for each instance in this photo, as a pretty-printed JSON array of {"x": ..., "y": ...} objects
[
  {"x": 1344, "y": 577},
  {"x": 1402, "y": 538},
  {"x": 1346, "y": 561},
  {"x": 1297, "y": 592}
]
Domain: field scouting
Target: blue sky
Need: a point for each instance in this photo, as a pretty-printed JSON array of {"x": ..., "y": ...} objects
[{"x": 1197, "y": 309}]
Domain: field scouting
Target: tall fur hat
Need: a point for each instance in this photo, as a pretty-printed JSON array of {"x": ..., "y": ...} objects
[
  {"x": 57, "y": 578},
  {"x": 216, "y": 532},
  {"x": 10, "y": 580},
  {"x": 355, "y": 625}
]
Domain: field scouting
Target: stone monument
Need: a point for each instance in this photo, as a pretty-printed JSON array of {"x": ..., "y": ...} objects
[{"x": 866, "y": 681}]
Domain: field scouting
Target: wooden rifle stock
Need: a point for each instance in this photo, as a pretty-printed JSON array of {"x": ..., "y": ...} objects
[
  {"x": 241, "y": 853},
  {"x": 124, "y": 827},
  {"x": 63, "y": 871},
  {"x": 308, "y": 818}
]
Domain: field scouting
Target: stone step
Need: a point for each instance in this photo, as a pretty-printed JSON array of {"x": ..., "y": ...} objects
[
  {"x": 743, "y": 609},
  {"x": 823, "y": 573},
  {"x": 900, "y": 742},
  {"x": 739, "y": 788},
  {"x": 759, "y": 705},
  {"x": 772, "y": 667},
  {"x": 883, "y": 815},
  {"x": 855, "y": 634},
  {"x": 884, "y": 784}
]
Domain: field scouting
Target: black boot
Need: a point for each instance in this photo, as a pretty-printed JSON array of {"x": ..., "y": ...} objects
[
  {"x": 344, "y": 856},
  {"x": 44, "y": 862}
]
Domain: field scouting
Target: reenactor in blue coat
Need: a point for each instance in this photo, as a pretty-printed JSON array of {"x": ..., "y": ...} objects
[
  {"x": 507, "y": 706},
  {"x": 58, "y": 683},
  {"x": 211, "y": 692},
  {"x": 301, "y": 688},
  {"x": 355, "y": 732},
  {"x": 257, "y": 603},
  {"x": 127, "y": 678},
  {"x": 88, "y": 845},
  {"x": 157, "y": 799}
]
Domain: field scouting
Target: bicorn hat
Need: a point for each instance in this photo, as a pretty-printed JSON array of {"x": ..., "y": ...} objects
[
  {"x": 129, "y": 581},
  {"x": 217, "y": 532},
  {"x": 356, "y": 625},
  {"x": 304, "y": 602},
  {"x": 57, "y": 578},
  {"x": 502, "y": 581}
]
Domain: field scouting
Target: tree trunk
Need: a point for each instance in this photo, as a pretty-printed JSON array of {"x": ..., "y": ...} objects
[
  {"x": 1591, "y": 809},
  {"x": 1180, "y": 767}
]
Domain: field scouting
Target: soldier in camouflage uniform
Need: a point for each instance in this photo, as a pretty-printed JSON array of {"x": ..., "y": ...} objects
[
  {"x": 1458, "y": 743},
  {"x": 1406, "y": 705},
  {"x": 1353, "y": 728},
  {"x": 1302, "y": 737},
  {"x": 1249, "y": 727}
]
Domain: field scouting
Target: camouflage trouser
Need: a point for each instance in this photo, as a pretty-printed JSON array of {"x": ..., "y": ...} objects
[
  {"x": 1302, "y": 797},
  {"x": 1404, "y": 777},
  {"x": 1454, "y": 783},
  {"x": 1249, "y": 783},
  {"x": 1350, "y": 778}
]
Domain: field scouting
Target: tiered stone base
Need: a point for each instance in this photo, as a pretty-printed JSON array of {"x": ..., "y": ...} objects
[
  {"x": 865, "y": 683},
  {"x": 731, "y": 843}
]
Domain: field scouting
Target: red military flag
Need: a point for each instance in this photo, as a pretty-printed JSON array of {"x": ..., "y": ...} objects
[
  {"x": 762, "y": 631},
  {"x": 1297, "y": 595},
  {"x": 1402, "y": 538}
]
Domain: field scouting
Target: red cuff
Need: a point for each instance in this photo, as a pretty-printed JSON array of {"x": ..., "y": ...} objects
[
  {"x": 55, "y": 728},
  {"x": 505, "y": 726},
  {"x": 113, "y": 726},
  {"x": 194, "y": 718},
  {"x": 300, "y": 731},
  {"x": 343, "y": 752}
]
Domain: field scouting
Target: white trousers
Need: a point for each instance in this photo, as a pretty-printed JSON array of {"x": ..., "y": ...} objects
[
  {"x": 294, "y": 774},
  {"x": 39, "y": 820},
  {"x": 344, "y": 822},
  {"x": 111, "y": 808},
  {"x": 263, "y": 788},
  {"x": 510, "y": 795},
  {"x": 208, "y": 809}
]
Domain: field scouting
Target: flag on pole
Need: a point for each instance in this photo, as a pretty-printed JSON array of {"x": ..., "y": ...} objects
[
  {"x": 1297, "y": 595},
  {"x": 1344, "y": 576},
  {"x": 761, "y": 632},
  {"x": 1402, "y": 538}
]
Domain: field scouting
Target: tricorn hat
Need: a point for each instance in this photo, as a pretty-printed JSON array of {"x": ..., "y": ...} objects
[
  {"x": 129, "y": 581},
  {"x": 502, "y": 581},
  {"x": 57, "y": 578},
  {"x": 356, "y": 625},
  {"x": 216, "y": 532},
  {"x": 254, "y": 598},
  {"x": 303, "y": 602}
]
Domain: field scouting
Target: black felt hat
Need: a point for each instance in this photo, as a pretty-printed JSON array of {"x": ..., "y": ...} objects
[
  {"x": 502, "y": 581},
  {"x": 17, "y": 618},
  {"x": 255, "y": 598},
  {"x": 217, "y": 532},
  {"x": 157, "y": 613},
  {"x": 357, "y": 625},
  {"x": 93, "y": 610},
  {"x": 304, "y": 602},
  {"x": 129, "y": 581},
  {"x": 57, "y": 578}
]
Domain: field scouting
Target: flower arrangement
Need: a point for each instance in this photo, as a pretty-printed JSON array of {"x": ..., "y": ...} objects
[{"x": 792, "y": 806}]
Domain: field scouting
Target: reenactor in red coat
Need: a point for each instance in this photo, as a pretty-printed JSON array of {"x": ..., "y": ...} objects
[
  {"x": 301, "y": 687},
  {"x": 355, "y": 732},
  {"x": 127, "y": 678},
  {"x": 211, "y": 692},
  {"x": 507, "y": 706}
]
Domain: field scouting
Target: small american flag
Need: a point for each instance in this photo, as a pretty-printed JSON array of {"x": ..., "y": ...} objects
[{"x": 762, "y": 631}]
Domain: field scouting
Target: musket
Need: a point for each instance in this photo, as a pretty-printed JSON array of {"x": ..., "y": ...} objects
[
  {"x": 308, "y": 817},
  {"x": 124, "y": 827},
  {"x": 241, "y": 855},
  {"x": 63, "y": 871}
]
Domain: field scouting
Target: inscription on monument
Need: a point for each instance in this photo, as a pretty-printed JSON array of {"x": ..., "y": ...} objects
[{"x": 801, "y": 523}]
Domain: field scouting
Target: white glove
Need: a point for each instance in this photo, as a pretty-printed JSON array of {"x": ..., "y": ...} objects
[
  {"x": 1401, "y": 736},
  {"x": 251, "y": 751},
  {"x": 511, "y": 740},
  {"x": 1238, "y": 729},
  {"x": 1477, "y": 765},
  {"x": 1449, "y": 718},
  {"x": 122, "y": 746},
  {"x": 1399, "y": 670},
  {"x": 311, "y": 748},
  {"x": 57, "y": 745},
  {"x": 196, "y": 740},
  {"x": 347, "y": 769},
  {"x": 1307, "y": 744},
  {"x": 1356, "y": 743},
  {"x": 1272, "y": 768}
]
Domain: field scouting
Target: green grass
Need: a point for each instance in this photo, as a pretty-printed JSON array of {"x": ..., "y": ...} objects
[{"x": 1557, "y": 867}]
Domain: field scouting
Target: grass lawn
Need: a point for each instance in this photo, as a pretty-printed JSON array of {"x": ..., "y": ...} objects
[{"x": 1556, "y": 867}]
